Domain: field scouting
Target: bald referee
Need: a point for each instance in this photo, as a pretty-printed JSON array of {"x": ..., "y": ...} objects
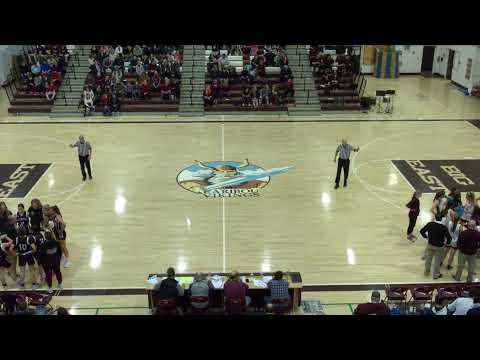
[
  {"x": 343, "y": 161},
  {"x": 84, "y": 156}
]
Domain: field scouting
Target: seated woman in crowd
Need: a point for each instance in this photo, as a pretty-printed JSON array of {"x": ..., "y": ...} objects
[
  {"x": 246, "y": 96},
  {"x": 208, "y": 95},
  {"x": 88, "y": 98},
  {"x": 145, "y": 87},
  {"x": 165, "y": 89},
  {"x": 51, "y": 91}
]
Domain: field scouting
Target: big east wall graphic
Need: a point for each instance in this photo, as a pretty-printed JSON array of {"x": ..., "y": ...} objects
[
  {"x": 219, "y": 179},
  {"x": 429, "y": 176}
]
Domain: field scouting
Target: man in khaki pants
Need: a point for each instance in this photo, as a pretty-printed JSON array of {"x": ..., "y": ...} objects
[
  {"x": 437, "y": 236},
  {"x": 468, "y": 244}
]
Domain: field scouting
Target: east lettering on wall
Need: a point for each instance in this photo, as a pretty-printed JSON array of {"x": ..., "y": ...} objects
[
  {"x": 430, "y": 176},
  {"x": 16, "y": 180}
]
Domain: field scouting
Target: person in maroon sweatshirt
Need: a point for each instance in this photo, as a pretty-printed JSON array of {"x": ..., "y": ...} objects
[
  {"x": 375, "y": 307},
  {"x": 468, "y": 244},
  {"x": 414, "y": 206}
]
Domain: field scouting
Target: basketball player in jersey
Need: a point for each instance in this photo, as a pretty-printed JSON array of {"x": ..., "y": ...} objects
[
  {"x": 24, "y": 248},
  {"x": 5, "y": 246},
  {"x": 38, "y": 239},
  {"x": 22, "y": 217},
  {"x": 53, "y": 255},
  {"x": 59, "y": 232}
]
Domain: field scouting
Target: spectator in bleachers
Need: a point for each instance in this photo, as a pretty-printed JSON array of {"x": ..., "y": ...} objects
[
  {"x": 255, "y": 96},
  {"x": 246, "y": 96},
  {"x": 208, "y": 95},
  {"x": 39, "y": 84},
  {"x": 165, "y": 89},
  {"x": 265, "y": 93},
  {"x": 137, "y": 50},
  {"x": 374, "y": 307},
  {"x": 88, "y": 99},
  {"x": 51, "y": 91},
  {"x": 285, "y": 73}
]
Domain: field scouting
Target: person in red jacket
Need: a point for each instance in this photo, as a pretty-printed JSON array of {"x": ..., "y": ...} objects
[
  {"x": 51, "y": 91},
  {"x": 375, "y": 307}
]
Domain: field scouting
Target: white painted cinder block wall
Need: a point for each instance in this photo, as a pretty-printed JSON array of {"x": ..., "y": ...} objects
[
  {"x": 460, "y": 60},
  {"x": 6, "y": 53}
]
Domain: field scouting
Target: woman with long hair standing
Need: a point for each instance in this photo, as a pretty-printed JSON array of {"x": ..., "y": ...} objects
[
  {"x": 52, "y": 258},
  {"x": 414, "y": 206},
  {"x": 59, "y": 231},
  {"x": 35, "y": 213},
  {"x": 454, "y": 227}
]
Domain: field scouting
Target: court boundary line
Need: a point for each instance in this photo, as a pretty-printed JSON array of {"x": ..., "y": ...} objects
[
  {"x": 224, "y": 245},
  {"x": 77, "y": 122},
  {"x": 41, "y": 177},
  {"x": 403, "y": 176}
]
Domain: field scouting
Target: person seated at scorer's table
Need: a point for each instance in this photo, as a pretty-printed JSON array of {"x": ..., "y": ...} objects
[
  {"x": 234, "y": 288},
  {"x": 201, "y": 287},
  {"x": 278, "y": 287},
  {"x": 169, "y": 288}
]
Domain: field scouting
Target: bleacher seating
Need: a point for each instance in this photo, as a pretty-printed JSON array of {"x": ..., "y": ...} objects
[
  {"x": 336, "y": 86},
  {"x": 154, "y": 102},
  {"x": 28, "y": 98},
  {"x": 237, "y": 81}
]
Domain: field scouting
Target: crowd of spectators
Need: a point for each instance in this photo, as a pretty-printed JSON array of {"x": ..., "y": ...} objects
[
  {"x": 256, "y": 87},
  {"x": 43, "y": 68},
  {"x": 131, "y": 72},
  {"x": 330, "y": 71}
]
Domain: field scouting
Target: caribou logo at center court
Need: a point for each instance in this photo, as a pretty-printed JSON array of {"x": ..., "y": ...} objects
[{"x": 227, "y": 178}]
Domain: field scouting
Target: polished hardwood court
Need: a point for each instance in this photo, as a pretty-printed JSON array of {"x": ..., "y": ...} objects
[{"x": 133, "y": 218}]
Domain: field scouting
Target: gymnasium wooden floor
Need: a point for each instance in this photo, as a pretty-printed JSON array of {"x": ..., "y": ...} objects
[{"x": 133, "y": 218}]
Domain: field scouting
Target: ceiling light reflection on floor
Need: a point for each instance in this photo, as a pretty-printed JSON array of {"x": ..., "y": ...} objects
[
  {"x": 326, "y": 198},
  {"x": 265, "y": 267},
  {"x": 351, "y": 257},
  {"x": 393, "y": 180},
  {"x": 120, "y": 203},
  {"x": 96, "y": 257}
]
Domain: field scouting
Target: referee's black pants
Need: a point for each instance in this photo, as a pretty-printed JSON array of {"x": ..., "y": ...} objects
[
  {"x": 85, "y": 161},
  {"x": 342, "y": 164}
]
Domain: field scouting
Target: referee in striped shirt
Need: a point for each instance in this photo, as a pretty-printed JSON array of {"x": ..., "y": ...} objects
[
  {"x": 343, "y": 161},
  {"x": 84, "y": 155}
]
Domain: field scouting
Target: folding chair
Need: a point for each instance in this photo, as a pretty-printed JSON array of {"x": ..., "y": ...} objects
[
  {"x": 166, "y": 307},
  {"x": 235, "y": 306},
  {"x": 396, "y": 294},
  {"x": 281, "y": 306},
  {"x": 199, "y": 300}
]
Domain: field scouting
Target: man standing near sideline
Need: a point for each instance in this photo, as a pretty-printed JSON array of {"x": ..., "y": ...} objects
[
  {"x": 84, "y": 156},
  {"x": 438, "y": 235},
  {"x": 468, "y": 244},
  {"x": 343, "y": 161}
]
